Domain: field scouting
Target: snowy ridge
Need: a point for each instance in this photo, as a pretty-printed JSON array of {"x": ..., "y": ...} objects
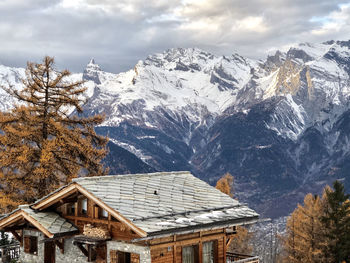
[
  {"x": 193, "y": 84},
  {"x": 280, "y": 126},
  {"x": 12, "y": 77}
]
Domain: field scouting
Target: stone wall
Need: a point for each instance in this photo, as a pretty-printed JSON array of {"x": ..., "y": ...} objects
[
  {"x": 29, "y": 258},
  {"x": 71, "y": 252},
  {"x": 144, "y": 252}
]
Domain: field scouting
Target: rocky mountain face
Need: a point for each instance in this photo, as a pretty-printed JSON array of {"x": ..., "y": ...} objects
[{"x": 280, "y": 126}]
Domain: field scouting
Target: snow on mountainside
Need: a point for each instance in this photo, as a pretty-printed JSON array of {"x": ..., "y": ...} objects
[
  {"x": 279, "y": 125},
  {"x": 188, "y": 81},
  {"x": 9, "y": 76}
]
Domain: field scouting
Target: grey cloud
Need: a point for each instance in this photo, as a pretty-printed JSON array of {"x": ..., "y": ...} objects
[{"x": 119, "y": 33}]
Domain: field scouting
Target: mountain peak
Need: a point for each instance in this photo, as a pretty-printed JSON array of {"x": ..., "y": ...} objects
[
  {"x": 183, "y": 59},
  {"x": 92, "y": 61},
  {"x": 93, "y": 65},
  {"x": 91, "y": 71}
]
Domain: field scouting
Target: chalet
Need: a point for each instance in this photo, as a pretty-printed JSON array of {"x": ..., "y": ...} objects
[{"x": 170, "y": 217}]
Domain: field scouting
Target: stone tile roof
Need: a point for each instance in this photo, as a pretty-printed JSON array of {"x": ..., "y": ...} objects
[
  {"x": 158, "y": 202},
  {"x": 51, "y": 221}
]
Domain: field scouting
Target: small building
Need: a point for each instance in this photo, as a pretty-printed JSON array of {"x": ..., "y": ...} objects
[{"x": 169, "y": 217}]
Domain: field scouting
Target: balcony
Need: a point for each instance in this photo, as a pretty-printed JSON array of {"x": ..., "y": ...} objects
[
  {"x": 10, "y": 252},
  {"x": 240, "y": 258}
]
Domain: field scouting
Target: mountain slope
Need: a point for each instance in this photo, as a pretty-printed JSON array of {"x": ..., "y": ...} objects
[{"x": 280, "y": 126}]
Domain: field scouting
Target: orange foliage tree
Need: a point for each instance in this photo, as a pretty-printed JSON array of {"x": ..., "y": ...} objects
[
  {"x": 241, "y": 241},
  {"x": 318, "y": 230},
  {"x": 225, "y": 184},
  {"x": 304, "y": 241},
  {"x": 42, "y": 145}
]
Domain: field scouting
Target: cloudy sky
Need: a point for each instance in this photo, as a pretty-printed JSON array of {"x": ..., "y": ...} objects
[{"x": 118, "y": 33}]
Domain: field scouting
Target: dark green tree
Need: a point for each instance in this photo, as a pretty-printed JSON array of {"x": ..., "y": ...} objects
[
  {"x": 4, "y": 238},
  {"x": 336, "y": 222}
]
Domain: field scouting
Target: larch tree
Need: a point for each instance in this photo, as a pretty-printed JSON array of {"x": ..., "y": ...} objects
[
  {"x": 43, "y": 145},
  {"x": 304, "y": 241},
  {"x": 240, "y": 242},
  {"x": 225, "y": 184},
  {"x": 336, "y": 222}
]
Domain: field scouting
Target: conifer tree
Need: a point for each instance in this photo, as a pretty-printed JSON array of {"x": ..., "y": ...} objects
[
  {"x": 336, "y": 222},
  {"x": 42, "y": 145},
  {"x": 304, "y": 241},
  {"x": 241, "y": 241},
  {"x": 225, "y": 184}
]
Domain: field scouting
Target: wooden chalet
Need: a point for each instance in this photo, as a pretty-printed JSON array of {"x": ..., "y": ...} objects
[{"x": 170, "y": 217}]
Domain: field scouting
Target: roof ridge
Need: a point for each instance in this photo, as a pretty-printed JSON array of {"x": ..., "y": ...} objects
[{"x": 121, "y": 176}]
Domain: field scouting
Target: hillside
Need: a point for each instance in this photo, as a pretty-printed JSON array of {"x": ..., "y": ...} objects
[{"x": 279, "y": 125}]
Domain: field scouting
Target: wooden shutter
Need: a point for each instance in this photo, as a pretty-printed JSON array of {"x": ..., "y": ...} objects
[
  {"x": 27, "y": 244},
  {"x": 135, "y": 258},
  {"x": 114, "y": 256},
  {"x": 31, "y": 244}
]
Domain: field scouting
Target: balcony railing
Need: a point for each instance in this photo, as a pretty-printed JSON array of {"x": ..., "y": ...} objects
[
  {"x": 240, "y": 258},
  {"x": 9, "y": 252}
]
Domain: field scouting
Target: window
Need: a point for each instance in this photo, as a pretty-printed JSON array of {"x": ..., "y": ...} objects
[
  {"x": 31, "y": 245},
  {"x": 190, "y": 254},
  {"x": 104, "y": 214},
  {"x": 84, "y": 207},
  {"x": 209, "y": 252},
  {"x": 124, "y": 257}
]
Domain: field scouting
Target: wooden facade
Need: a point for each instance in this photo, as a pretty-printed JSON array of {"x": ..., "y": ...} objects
[
  {"x": 79, "y": 207},
  {"x": 165, "y": 249}
]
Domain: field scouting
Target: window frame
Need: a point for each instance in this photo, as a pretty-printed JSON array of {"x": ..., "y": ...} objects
[
  {"x": 83, "y": 207},
  {"x": 214, "y": 250},
  {"x": 195, "y": 248}
]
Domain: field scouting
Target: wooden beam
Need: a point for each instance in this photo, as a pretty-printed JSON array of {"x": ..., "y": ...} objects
[
  {"x": 76, "y": 212},
  {"x": 76, "y": 187},
  {"x": 174, "y": 254},
  {"x": 17, "y": 236},
  {"x": 21, "y": 214},
  {"x": 37, "y": 224},
  {"x": 96, "y": 211},
  {"x": 109, "y": 221},
  {"x": 82, "y": 248},
  {"x": 58, "y": 204},
  {"x": 6, "y": 221},
  {"x": 60, "y": 245},
  {"x": 69, "y": 199},
  {"x": 113, "y": 212},
  {"x": 22, "y": 234},
  {"x": 189, "y": 241},
  {"x": 65, "y": 210},
  {"x": 91, "y": 253},
  {"x": 14, "y": 228},
  {"x": 70, "y": 189},
  {"x": 225, "y": 247},
  {"x": 88, "y": 219},
  {"x": 229, "y": 239}
]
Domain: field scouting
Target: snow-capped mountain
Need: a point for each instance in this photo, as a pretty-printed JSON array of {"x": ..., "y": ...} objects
[
  {"x": 9, "y": 77},
  {"x": 280, "y": 126}
]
